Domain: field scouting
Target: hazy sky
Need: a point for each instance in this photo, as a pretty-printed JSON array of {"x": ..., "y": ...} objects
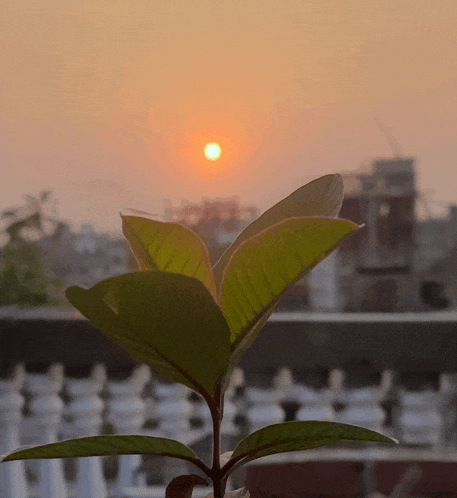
[{"x": 110, "y": 103}]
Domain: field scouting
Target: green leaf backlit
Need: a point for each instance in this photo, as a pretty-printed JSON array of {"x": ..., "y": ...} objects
[
  {"x": 168, "y": 321},
  {"x": 168, "y": 247},
  {"x": 265, "y": 266},
  {"x": 321, "y": 197}
]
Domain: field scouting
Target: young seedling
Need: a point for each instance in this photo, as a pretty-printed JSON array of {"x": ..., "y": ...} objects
[{"x": 191, "y": 323}]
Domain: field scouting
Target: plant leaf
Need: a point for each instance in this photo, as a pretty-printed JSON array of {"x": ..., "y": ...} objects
[
  {"x": 321, "y": 197},
  {"x": 265, "y": 266},
  {"x": 168, "y": 247},
  {"x": 168, "y": 321},
  {"x": 105, "y": 445},
  {"x": 299, "y": 436}
]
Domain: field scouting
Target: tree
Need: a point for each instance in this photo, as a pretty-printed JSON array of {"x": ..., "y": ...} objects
[{"x": 22, "y": 277}]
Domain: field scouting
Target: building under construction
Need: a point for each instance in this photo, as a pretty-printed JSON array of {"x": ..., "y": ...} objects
[{"x": 379, "y": 259}]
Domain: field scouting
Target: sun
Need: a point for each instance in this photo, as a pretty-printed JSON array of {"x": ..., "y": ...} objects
[{"x": 212, "y": 151}]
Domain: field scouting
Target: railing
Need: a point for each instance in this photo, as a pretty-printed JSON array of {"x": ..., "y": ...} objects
[{"x": 44, "y": 408}]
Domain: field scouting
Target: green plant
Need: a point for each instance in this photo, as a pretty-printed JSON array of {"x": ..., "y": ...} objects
[{"x": 191, "y": 322}]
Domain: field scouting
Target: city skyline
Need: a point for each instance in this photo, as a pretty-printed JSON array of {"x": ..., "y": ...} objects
[{"x": 111, "y": 105}]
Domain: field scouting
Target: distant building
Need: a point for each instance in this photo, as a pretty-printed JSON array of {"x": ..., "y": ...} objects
[
  {"x": 395, "y": 263},
  {"x": 435, "y": 238},
  {"x": 379, "y": 260},
  {"x": 435, "y": 261}
]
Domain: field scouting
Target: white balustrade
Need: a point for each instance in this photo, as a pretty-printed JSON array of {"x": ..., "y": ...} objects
[
  {"x": 448, "y": 407},
  {"x": 420, "y": 419},
  {"x": 12, "y": 474},
  {"x": 129, "y": 405},
  {"x": 228, "y": 427},
  {"x": 47, "y": 408},
  {"x": 174, "y": 410},
  {"x": 336, "y": 388},
  {"x": 283, "y": 384},
  {"x": 126, "y": 412},
  {"x": 264, "y": 408},
  {"x": 362, "y": 405},
  {"x": 364, "y": 409},
  {"x": 315, "y": 405},
  {"x": 86, "y": 408},
  {"x": 238, "y": 397}
]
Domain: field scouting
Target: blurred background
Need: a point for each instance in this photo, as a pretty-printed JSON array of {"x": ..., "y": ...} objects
[{"x": 109, "y": 105}]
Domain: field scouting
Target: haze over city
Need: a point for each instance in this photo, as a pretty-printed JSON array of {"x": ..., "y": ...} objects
[{"x": 111, "y": 104}]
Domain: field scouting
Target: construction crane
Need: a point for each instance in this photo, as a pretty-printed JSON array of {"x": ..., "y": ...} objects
[{"x": 397, "y": 149}]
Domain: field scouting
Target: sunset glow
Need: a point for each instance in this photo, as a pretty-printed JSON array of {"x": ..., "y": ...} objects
[
  {"x": 212, "y": 151},
  {"x": 124, "y": 107}
]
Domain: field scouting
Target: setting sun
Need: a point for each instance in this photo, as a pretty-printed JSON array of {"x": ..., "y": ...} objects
[{"x": 212, "y": 151}]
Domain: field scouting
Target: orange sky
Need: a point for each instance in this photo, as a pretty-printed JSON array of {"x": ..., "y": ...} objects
[{"x": 110, "y": 103}]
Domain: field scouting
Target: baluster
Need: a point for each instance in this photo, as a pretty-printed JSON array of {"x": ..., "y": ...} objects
[
  {"x": 228, "y": 428},
  {"x": 264, "y": 409},
  {"x": 86, "y": 408},
  {"x": 363, "y": 409},
  {"x": 315, "y": 405},
  {"x": 46, "y": 408},
  {"x": 13, "y": 483},
  {"x": 236, "y": 382},
  {"x": 420, "y": 421},
  {"x": 285, "y": 393},
  {"x": 337, "y": 392},
  {"x": 388, "y": 401},
  {"x": 387, "y": 384},
  {"x": 448, "y": 406},
  {"x": 200, "y": 411},
  {"x": 283, "y": 384},
  {"x": 174, "y": 410},
  {"x": 126, "y": 411},
  {"x": 363, "y": 405},
  {"x": 240, "y": 402},
  {"x": 150, "y": 413}
]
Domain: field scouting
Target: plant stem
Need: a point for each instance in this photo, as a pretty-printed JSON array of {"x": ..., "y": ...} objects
[{"x": 216, "y": 414}]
